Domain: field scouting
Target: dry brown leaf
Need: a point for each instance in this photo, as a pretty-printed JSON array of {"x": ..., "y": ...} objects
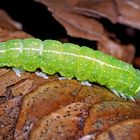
[
  {"x": 42, "y": 101},
  {"x": 13, "y": 85},
  {"x": 76, "y": 25},
  {"x": 8, "y": 116},
  {"x": 79, "y": 26},
  {"x": 9, "y": 78},
  {"x": 129, "y": 130},
  {"x": 94, "y": 8},
  {"x": 30, "y": 83},
  {"x": 66, "y": 123},
  {"x": 3, "y": 71},
  {"x": 7, "y": 23},
  {"x": 108, "y": 113},
  {"x": 120, "y": 51},
  {"x": 6, "y": 34},
  {"x": 10, "y": 29},
  {"x": 95, "y": 94},
  {"x": 129, "y": 12},
  {"x": 117, "y": 11}
]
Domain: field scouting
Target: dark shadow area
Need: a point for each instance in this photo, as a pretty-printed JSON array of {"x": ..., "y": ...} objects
[{"x": 35, "y": 18}]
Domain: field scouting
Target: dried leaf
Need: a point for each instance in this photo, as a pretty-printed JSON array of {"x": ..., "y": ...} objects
[
  {"x": 25, "y": 86},
  {"x": 127, "y": 129},
  {"x": 76, "y": 25},
  {"x": 7, "y": 23},
  {"x": 97, "y": 8},
  {"x": 120, "y": 51},
  {"x": 8, "y": 115},
  {"x": 80, "y": 26},
  {"x": 13, "y": 85},
  {"x": 42, "y": 101},
  {"x": 117, "y": 11},
  {"x": 66, "y": 123},
  {"x": 9, "y": 78},
  {"x": 7, "y": 34},
  {"x": 10, "y": 29},
  {"x": 107, "y": 113},
  {"x": 129, "y": 12},
  {"x": 95, "y": 94}
]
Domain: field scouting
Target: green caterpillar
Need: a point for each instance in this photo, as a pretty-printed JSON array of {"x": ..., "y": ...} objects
[{"x": 71, "y": 60}]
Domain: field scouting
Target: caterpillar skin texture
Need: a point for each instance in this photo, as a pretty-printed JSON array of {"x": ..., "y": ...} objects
[{"x": 71, "y": 60}]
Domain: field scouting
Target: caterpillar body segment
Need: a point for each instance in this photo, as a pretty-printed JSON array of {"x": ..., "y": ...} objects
[{"x": 71, "y": 60}]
